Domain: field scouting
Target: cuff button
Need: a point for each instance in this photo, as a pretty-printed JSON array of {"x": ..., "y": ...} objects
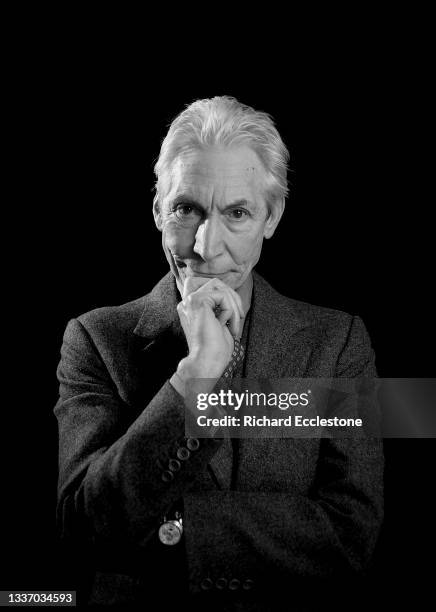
[
  {"x": 183, "y": 453},
  {"x": 206, "y": 584},
  {"x": 193, "y": 444},
  {"x": 167, "y": 476},
  {"x": 234, "y": 584},
  {"x": 221, "y": 584},
  {"x": 248, "y": 584},
  {"x": 174, "y": 465}
]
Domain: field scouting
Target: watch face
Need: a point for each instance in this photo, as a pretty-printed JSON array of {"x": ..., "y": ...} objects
[{"x": 170, "y": 533}]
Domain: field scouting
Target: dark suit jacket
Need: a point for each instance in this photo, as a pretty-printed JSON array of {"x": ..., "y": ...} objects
[{"x": 298, "y": 509}]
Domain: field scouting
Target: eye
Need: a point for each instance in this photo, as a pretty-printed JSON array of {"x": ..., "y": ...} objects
[
  {"x": 238, "y": 214},
  {"x": 186, "y": 212}
]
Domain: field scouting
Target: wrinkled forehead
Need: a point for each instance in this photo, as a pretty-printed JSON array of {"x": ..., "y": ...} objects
[{"x": 235, "y": 169}]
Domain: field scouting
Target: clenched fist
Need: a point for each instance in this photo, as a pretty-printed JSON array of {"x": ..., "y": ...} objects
[{"x": 210, "y": 314}]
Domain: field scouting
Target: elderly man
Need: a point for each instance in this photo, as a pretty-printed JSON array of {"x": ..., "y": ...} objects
[{"x": 231, "y": 523}]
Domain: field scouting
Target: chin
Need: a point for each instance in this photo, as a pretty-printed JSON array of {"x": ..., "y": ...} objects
[
  {"x": 236, "y": 280},
  {"x": 233, "y": 281}
]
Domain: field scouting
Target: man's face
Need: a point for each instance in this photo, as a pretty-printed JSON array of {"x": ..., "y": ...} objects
[{"x": 214, "y": 217}]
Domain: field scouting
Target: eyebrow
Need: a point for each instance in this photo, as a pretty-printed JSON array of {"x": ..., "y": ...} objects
[{"x": 187, "y": 199}]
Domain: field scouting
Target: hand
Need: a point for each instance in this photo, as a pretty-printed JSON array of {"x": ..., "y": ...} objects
[{"x": 206, "y": 308}]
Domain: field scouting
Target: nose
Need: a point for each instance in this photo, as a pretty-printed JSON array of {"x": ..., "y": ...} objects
[{"x": 209, "y": 239}]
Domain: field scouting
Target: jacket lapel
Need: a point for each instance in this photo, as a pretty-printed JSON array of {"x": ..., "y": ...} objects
[
  {"x": 157, "y": 343},
  {"x": 159, "y": 312},
  {"x": 274, "y": 348}
]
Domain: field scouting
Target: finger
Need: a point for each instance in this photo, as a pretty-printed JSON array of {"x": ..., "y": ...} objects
[
  {"x": 236, "y": 301},
  {"x": 236, "y": 297},
  {"x": 193, "y": 283},
  {"x": 234, "y": 321},
  {"x": 221, "y": 303},
  {"x": 225, "y": 311}
]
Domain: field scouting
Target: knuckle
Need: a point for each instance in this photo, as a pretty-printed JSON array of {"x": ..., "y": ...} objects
[
  {"x": 190, "y": 286},
  {"x": 191, "y": 300}
]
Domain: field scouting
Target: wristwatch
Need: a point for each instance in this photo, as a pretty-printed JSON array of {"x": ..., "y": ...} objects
[{"x": 171, "y": 531}]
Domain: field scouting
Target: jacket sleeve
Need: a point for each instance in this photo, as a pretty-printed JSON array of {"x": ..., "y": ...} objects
[
  {"x": 271, "y": 537},
  {"x": 114, "y": 477}
]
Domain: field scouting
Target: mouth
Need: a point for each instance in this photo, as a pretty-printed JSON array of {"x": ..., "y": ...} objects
[
  {"x": 191, "y": 272},
  {"x": 207, "y": 274}
]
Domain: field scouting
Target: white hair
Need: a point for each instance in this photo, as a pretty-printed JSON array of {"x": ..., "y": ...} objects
[{"x": 225, "y": 121}]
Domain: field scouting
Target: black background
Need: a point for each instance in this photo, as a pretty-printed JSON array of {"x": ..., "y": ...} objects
[{"x": 355, "y": 236}]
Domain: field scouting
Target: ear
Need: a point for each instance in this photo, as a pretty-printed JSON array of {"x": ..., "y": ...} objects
[
  {"x": 157, "y": 214},
  {"x": 275, "y": 214}
]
